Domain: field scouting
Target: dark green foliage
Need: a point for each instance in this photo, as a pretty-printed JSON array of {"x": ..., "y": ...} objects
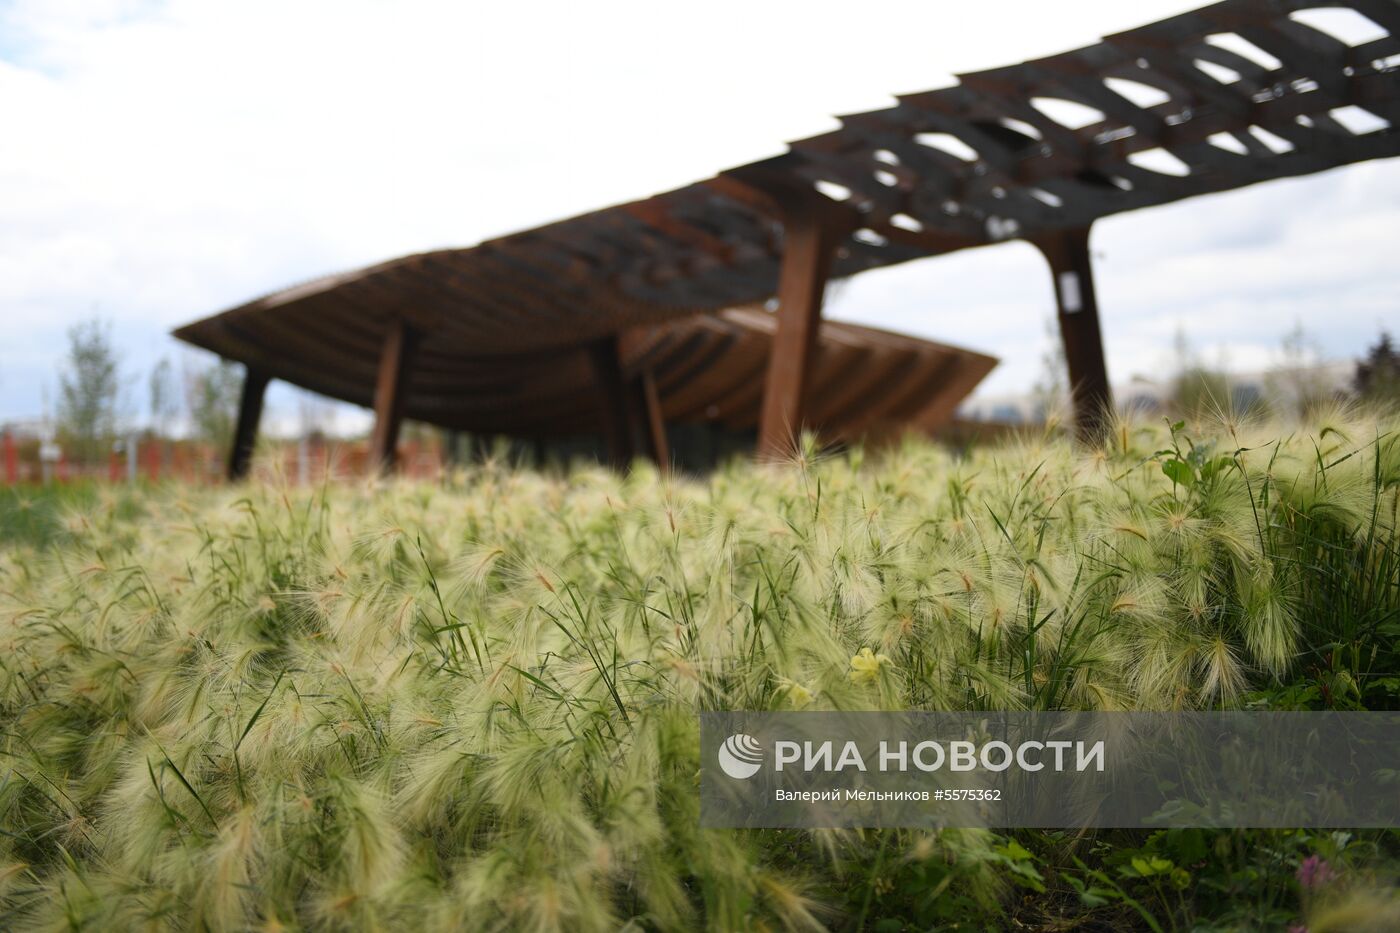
[{"x": 1378, "y": 373}]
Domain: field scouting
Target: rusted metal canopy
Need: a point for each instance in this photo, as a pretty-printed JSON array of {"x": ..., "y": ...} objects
[{"x": 1226, "y": 96}]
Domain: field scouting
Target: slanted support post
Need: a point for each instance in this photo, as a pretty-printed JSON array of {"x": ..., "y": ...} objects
[
  {"x": 245, "y": 432},
  {"x": 1067, "y": 251},
  {"x": 654, "y": 421},
  {"x": 629, "y": 408},
  {"x": 394, "y": 362},
  {"x": 810, "y": 240}
]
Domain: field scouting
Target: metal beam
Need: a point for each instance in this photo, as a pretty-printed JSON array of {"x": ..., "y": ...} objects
[
  {"x": 809, "y": 246},
  {"x": 245, "y": 432},
  {"x": 394, "y": 361},
  {"x": 1078, "y": 312}
]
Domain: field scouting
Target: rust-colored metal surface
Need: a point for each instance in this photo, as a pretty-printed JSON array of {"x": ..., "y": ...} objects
[{"x": 1235, "y": 93}]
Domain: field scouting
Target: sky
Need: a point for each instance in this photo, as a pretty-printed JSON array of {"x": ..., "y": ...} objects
[{"x": 162, "y": 161}]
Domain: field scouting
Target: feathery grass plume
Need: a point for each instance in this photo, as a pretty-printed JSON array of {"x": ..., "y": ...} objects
[
  {"x": 1223, "y": 677},
  {"x": 1367, "y": 910},
  {"x": 472, "y": 703},
  {"x": 224, "y": 891}
]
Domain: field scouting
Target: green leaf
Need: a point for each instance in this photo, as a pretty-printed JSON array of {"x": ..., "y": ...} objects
[
  {"x": 253, "y": 720},
  {"x": 1214, "y": 465},
  {"x": 1187, "y": 846},
  {"x": 1015, "y": 851},
  {"x": 1179, "y": 472}
]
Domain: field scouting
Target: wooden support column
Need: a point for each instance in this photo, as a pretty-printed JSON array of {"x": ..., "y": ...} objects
[
  {"x": 245, "y": 432},
  {"x": 612, "y": 401},
  {"x": 629, "y": 408},
  {"x": 809, "y": 245},
  {"x": 1067, "y": 252},
  {"x": 394, "y": 362}
]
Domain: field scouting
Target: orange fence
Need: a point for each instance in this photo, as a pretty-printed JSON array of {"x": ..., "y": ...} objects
[{"x": 156, "y": 459}]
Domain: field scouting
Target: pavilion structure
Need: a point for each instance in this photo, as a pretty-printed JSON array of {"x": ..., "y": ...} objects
[{"x": 1229, "y": 95}]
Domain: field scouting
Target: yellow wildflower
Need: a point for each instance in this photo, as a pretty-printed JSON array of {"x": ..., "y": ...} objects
[
  {"x": 797, "y": 695},
  {"x": 865, "y": 666}
]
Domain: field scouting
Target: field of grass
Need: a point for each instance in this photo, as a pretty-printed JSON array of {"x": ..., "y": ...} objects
[
  {"x": 35, "y": 515},
  {"x": 471, "y": 705}
]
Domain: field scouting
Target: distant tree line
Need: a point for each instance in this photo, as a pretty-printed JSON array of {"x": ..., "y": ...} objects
[
  {"x": 1296, "y": 386},
  {"x": 90, "y": 385}
]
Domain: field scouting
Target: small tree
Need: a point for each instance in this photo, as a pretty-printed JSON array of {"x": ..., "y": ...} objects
[
  {"x": 1378, "y": 373},
  {"x": 163, "y": 400},
  {"x": 88, "y": 385},
  {"x": 213, "y": 393}
]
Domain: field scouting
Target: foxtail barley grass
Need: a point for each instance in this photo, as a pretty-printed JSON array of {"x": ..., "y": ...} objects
[{"x": 472, "y": 704}]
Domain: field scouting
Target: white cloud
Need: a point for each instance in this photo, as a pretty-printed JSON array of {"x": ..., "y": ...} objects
[{"x": 166, "y": 160}]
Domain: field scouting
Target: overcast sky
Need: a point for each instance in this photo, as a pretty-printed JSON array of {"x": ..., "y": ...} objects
[{"x": 161, "y": 161}]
